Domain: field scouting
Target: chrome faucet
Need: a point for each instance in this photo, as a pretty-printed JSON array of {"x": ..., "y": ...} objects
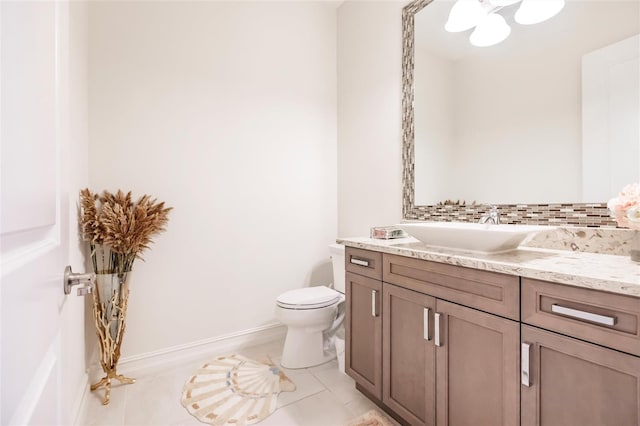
[{"x": 492, "y": 216}]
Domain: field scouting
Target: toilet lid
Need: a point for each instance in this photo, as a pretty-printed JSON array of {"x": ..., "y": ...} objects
[{"x": 309, "y": 297}]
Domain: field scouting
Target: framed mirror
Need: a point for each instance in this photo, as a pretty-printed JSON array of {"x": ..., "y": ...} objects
[{"x": 523, "y": 124}]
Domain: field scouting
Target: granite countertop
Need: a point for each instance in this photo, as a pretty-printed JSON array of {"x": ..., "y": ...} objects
[{"x": 615, "y": 274}]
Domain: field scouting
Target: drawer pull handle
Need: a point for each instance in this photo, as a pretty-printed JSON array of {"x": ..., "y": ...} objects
[
  {"x": 374, "y": 295},
  {"x": 360, "y": 262},
  {"x": 524, "y": 362},
  {"x": 587, "y": 316},
  {"x": 426, "y": 325},
  {"x": 437, "y": 329}
]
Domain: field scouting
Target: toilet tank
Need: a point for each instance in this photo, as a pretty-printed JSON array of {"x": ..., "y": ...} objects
[{"x": 337, "y": 258}]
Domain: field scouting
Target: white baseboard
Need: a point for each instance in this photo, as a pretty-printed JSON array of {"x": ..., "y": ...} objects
[{"x": 219, "y": 345}]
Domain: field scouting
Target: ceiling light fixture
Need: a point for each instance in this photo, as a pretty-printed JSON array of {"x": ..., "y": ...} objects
[
  {"x": 464, "y": 15},
  {"x": 491, "y": 28}
]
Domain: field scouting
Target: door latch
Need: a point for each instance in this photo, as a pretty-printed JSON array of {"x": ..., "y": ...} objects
[{"x": 71, "y": 279}]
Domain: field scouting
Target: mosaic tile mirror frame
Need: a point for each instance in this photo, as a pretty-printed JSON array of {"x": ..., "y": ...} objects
[{"x": 569, "y": 214}]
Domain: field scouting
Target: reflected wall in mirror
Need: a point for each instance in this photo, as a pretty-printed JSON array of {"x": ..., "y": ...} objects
[{"x": 550, "y": 115}]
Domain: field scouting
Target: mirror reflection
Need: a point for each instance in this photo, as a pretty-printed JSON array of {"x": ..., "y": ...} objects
[{"x": 548, "y": 115}]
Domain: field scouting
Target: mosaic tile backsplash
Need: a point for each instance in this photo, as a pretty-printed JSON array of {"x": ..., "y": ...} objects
[{"x": 584, "y": 215}]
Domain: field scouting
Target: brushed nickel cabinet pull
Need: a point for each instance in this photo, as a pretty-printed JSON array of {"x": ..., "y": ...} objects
[
  {"x": 524, "y": 364},
  {"x": 583, "y": 315},
  {"x": 360, "y": 262},
  {"x": 374, "y": 295},
  {"x": 437, "y": 329},
  {"x": 426, "y": 324}
]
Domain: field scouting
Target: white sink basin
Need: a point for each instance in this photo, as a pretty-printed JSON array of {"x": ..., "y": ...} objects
[{"x": 475, "y": 237}]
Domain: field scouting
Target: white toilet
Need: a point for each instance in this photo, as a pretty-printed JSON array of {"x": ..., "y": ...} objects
[{"x": 313, "y": 315}]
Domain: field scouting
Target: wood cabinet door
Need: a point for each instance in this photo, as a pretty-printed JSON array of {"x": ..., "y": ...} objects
[
  {"x": 572, "y": 382},
  {"x": 477, "y": 367},
  {"x": 408, "y": 354},
  {"x": 363, "y": 332}
]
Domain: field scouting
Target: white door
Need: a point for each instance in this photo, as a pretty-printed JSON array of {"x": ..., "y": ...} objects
[
  {"x": 610, "y": 119},
  {"x": 35, "y": 191}
]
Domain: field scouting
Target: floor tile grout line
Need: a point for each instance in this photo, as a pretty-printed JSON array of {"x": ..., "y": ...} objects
[
  {"x": 302, "y": 399},
  {"x": 324, "y": 388}
]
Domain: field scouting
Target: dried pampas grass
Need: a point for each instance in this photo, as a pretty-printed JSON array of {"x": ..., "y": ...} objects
[{"x": 125, "y": 226}]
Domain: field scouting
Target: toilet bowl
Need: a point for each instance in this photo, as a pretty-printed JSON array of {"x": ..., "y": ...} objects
[{"x": 313, "y": 315}]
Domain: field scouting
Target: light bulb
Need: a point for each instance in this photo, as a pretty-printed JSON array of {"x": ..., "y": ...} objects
[
  {"x": 491, "y": 30},
  {"x": 535, "y": 11},
  {"x": 465, "y": 14}
]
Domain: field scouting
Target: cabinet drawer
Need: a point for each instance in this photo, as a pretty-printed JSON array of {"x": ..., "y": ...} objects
[
  {"x": 608, "y": 319},
  {"x": 364, "y": 262},
  {"x": 488, "y": 291}
]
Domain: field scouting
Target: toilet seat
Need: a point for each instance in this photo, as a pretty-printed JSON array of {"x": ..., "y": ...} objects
[{"x": 309, "y": 298}]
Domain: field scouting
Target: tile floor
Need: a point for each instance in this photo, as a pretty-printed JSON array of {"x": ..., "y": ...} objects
[{"x": 323, "y": 397}]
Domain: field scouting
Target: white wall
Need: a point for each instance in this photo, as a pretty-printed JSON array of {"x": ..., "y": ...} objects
[
  {"x": 226, "y": 111},
  {"x": 369, "y": 116}
]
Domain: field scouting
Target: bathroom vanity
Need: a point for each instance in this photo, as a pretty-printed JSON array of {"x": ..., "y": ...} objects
[{"x": 531, "y": 337}]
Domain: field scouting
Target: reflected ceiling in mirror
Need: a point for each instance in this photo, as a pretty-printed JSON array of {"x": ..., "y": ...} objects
[{"x": 506, "y": 124}]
